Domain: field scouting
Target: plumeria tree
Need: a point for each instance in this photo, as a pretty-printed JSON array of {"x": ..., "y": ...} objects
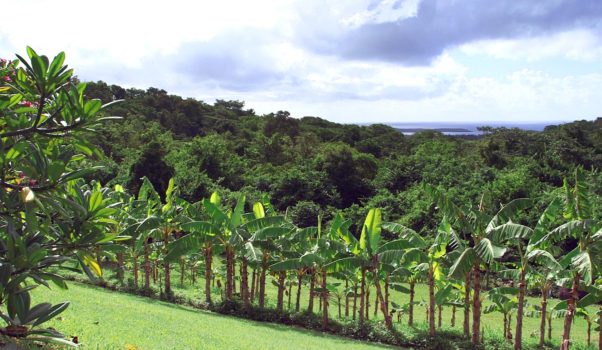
[{"x": 49, "y": 218}]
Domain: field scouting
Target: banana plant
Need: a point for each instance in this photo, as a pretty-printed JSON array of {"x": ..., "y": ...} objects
[
  {"x": 527, "y": 243},
  {"x": 503, "y": 300},
  {"x": 583, "y": 263},
  {"x": 369, "y": 254},
  {"x": 161, "y": 223},
  {"x": 477, "y": 251}
]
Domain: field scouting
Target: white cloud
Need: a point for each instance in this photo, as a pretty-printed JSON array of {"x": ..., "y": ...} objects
[
  {"x": 254, "y": 51},
  {"x": 579, "y": 44}
]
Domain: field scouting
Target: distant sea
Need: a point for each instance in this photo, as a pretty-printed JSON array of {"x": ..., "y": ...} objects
[{"x": 461, "y": 129}]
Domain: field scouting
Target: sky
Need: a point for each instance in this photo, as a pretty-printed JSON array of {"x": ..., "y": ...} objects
[{"x": 349, "y": 61}]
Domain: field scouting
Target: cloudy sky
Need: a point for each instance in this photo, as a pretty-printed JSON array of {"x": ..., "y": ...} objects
[{"x": 343, "y": 60}]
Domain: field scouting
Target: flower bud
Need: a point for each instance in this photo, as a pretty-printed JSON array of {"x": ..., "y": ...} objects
[{"x": 27, "y": 195}]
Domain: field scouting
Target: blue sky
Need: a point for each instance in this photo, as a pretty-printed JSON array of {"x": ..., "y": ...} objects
[{"x": 347, "y": 61}]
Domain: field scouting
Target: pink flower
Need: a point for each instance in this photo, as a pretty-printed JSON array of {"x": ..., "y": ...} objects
[
  {"x": 7, "y": 78},
  {"x": 25, "y": 103}
]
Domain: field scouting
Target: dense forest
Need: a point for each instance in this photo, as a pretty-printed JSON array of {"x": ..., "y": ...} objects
[{"x": 312, "y": 166}]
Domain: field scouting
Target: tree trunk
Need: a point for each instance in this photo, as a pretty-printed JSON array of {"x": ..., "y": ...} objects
[
  {"x": 387, "y": 290},
  {"x": 346, "y": 298},
  {"x": 505, "y": 325},
  {"x": 146, "y": 266},
  {"x": 549, "y": 327},
  {"x": 431, "y": 286},
  {"x": 264, "y": 267},
  {"x": 300, "y": 283},
  {"x": 453, "y": 318},
  {"x": 244, "y": 282},
  {"x": 281, "y": 289},
  {"x": 439, "y": 321},
  {"x": 312, "y": 285},
  {"x": 467, "y": 305},
  {"x": 600, "y": 329},
  {"x": 522, "y": 286},
  {"x": 568, "y": 320},
  {"x": 476, "y": 306},
  {"x": 167, "y": 270},
  {"x": 120, "y": 267},
  {"x": 233, "y": 268},
  {"x": 290, "y": 292},
  {"x": 544, "y": 310},
  {"x": 354, "y": 300},
  {"x": 193, "y": 273},
  {"x": 182, "y": 271},
  {"x": 208, "y": 257},
  {"x": 383, "y": 304},
  {"x": 589, "y": 332},
  {"x": 339, "y": 304},
  {"x": 253, "y": 278},
  {"x": 411, "y": 306},
  {"x": 229, "y": 273},
  {"x": 362, "y": 295},
  {"x": 367, "y": 297},
  {"x": 324, "y": 301},
  {"x": 136, "y": 271},
  {"x": 376, "y": 304}
]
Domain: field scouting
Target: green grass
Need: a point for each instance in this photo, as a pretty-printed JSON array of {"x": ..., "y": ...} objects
[
  {"x": 492, "y": 323},
  {"x": 103, "y": 319}
]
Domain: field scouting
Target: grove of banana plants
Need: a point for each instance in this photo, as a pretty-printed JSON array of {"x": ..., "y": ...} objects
[{"x": 55, "y": 218}]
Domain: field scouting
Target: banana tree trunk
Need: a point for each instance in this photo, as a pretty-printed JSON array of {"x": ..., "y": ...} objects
[
  {"x": 346, "y": 298},
  {"x": 244, "y": 282},
  {"x": 182, "y": 271},
  {"x": 253, "y": 278},
  {"x": 522, "y": 287},
  {"x": 431, "y": 286},
  {"x": 136, "y": 271},
  {"x": 600, "y": 329},
  {"x": 549, "y": 318},
  {"x": 440, "y": 316},
  {"x": 208, "y": 271},
  {"x": 290, "y": 293},
  {"x": 299, "y": 284},
  {"x": 453, "y": 317},
  {"x": 570, "y": 314},
  {"x": 362, "y": 295},
  {"x": 120, "y": 267},
  {"x": 411, "y": 306},
  {"x": 229, "y": 273},
  {"x": 367, "y": 297},
  {"x": 324, "y": 301},
  {"x": 476, "y": 306},
  {"x": 193, "y": 273},
  {"x": 354, "y": 300},
  {"x": 383, "y": 304},
  {"x": 312, "y": 285},
  {"x": 376, "y": 305},
  {"x": 467, "y": 305},
  {"x": 505, "y": 325},
  {"x": 264, "y": 268},
  {"x": 147, "y": 267},
  {"x": 166, "y": 266},
  {"x": 544, "y": 310},
  {"x": 281, "y": 289},
  {"x": 387, "y": 290}
]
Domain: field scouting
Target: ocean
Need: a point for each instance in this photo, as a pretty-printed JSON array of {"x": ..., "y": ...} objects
[{"x": 464, "y": 128}]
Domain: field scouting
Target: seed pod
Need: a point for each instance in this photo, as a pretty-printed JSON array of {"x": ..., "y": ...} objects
[{"x": 27, "y": 195}]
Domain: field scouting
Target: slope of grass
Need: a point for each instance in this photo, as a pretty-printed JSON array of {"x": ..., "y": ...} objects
[
  {"x": 491, "y": 323},
  {"x": 103, "y": 319}
]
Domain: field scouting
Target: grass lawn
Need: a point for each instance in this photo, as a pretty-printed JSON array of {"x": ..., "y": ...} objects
[
  {"x": 492, "y": 323},
  {"x": 106, "y": 320}
]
